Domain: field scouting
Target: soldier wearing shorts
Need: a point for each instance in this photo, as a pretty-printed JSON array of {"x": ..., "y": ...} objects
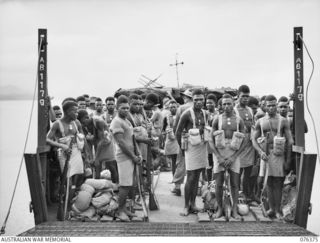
[
  {"x": 227, "y": 158},
  {"x": 277, "y": 156}
]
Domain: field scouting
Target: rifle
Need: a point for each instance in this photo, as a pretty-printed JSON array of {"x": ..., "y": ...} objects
[
  {"x": 61, "y": 214},
  {"x": 227, "y": 199},
  {"x": 153, "y": 202},
  {"x": 264, "y": 195},
  {"x": 144, "y": 206}
]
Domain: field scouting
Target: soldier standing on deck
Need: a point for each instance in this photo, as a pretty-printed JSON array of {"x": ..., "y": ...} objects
[
  {"x": 193, "y": 120},
  {"x": 278, "y": 156},
  {"x": 227, "y": 124},
  {"x": 247, "y": 156}
]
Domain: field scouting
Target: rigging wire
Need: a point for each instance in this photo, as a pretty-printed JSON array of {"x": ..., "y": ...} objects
[
  {"x": 3, "y": 228},
  {"x": 307, "y": 92}
]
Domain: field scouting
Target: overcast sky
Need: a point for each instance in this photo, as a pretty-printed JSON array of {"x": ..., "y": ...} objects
[{"x": 97, "y": 47}]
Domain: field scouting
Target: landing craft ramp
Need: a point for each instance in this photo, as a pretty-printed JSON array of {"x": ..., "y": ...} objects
[{"x": 168, "y": 222}]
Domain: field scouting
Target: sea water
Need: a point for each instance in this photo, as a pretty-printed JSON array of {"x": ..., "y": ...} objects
[{"x": 13, "y": 130}]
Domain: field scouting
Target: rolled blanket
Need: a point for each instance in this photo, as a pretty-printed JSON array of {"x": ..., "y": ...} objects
[
  {"x": 102, "y": 200},
  {"x": 110, "y": 208},
  {"x": 90, "y": 212},
  {"x": 100, "y": 183},
  {"x": 83, "y": 199},
  {"x": 87, "y": 188}
]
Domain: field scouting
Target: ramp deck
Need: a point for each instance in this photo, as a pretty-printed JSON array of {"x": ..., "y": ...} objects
[{"x": 168, "y": 222}]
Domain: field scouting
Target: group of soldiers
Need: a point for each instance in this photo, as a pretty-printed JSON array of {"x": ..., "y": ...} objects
[{"x": 248, "y": 137}]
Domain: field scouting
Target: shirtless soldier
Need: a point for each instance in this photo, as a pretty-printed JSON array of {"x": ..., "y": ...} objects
[
  {"x": 211, "y": 101},
  {"x": 196, "y": 155},
  {"x": 111, "y": 111},
  {"x": 247, "y": 156},
  {"x": 278, "y": 162},
  {"x": 64, "y": 131},
  {"x": 227, "y": 158}
]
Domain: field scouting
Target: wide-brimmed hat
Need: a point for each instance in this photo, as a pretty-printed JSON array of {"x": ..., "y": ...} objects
[
  {"x": 92, "y": 100},
  {"x": 187, "y": 93}
]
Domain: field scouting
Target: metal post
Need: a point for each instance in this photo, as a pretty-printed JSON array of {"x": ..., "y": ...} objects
[
  {"x": 305, "y": 163},
  {"x": 36, "y": 164},
  {"x": 43, "y": 111},
  {"x": 298, "y": 115},
  {"x": 298, "y": 88}
]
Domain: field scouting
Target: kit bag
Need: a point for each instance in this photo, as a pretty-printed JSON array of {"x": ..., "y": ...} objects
[
  {"x": 169, "y": 129},
  {"x": 79, "y": 136},
  {"x": 138, "y": 131},
  {"x": 279, "y": 142},
  {"x": 218, "y": 135},
  {"x": 107, "y": 137},
  {"x": 194, "y": 133},
  {"x": 237, "y": 137},
  {"x": 184, "y": 141}
]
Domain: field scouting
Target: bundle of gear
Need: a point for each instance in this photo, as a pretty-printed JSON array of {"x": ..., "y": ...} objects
[{"x": 96, "y": 198}]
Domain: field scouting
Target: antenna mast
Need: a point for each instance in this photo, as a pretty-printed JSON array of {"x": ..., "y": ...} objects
[{"x": 176, "y": 64}]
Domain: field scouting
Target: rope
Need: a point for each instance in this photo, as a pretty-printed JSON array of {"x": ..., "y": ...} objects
[
  {"x": 3, "y": 228},
  {"x": 307, "y": 103}
]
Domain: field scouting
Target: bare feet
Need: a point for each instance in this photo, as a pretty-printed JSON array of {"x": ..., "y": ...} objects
[
  {"x": 234, "y": 214},
  {"x": 130, "y": 214},
  {"x": 123, "y": 216},
  {"x": 218, "y": 214},
  {"x": 194, "y": 209},
  {"x": 185, "y": 212},
  {"x": 279, "y": 216}
]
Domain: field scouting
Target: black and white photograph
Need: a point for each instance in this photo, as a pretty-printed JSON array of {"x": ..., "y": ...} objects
[{"x": 148, "y": 118}]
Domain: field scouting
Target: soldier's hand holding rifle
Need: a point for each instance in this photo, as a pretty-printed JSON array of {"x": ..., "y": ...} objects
[
  {"x": 137, "y": 160},
  {"x": 148, "y": 141},
  {"x": 228, "y": 162},
  {"x": 221, "y": 160},
  {"x": 66, "y": 148},
  {"x": 263, "y": 155}
]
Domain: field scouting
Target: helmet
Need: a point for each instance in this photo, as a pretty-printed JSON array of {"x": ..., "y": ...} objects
[{"x": 243, "y": 209}]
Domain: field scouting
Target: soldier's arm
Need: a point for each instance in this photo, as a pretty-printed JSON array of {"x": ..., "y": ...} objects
[
  {"x": 178, "y": 115},
  {"x": 51, "y": 137},
  {"x": 100, "y": 130},
  {"x": 124, "y": 146},
  {"x": 155, "y": 117},
  {"x": 100, "y": 138},
  {"x": 214, "y": 148},
  {"x": 79, "y": 126},
  {"x": 256, "y": 134},
  {"x": 164, "y": 124}
]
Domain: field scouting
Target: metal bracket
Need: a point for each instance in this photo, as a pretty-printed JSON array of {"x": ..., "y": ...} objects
[
  {"x": 30, "y": 207},
  {"x": 310, "y": 209}
]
